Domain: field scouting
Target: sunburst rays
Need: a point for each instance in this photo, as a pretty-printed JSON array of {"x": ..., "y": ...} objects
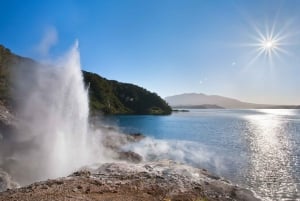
[{"x": 270, "y": 44}]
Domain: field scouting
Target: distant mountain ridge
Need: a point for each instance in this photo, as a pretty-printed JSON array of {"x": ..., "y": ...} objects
[
  {"x": 193, "y": 100},
  {"x": 205, "y": 106}
]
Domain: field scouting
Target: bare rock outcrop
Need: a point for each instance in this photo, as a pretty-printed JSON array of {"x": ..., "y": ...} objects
[{"x": 162, "y": 180}]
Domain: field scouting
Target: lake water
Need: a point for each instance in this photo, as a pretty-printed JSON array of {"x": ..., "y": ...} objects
[{"x": 257, "y": 149}]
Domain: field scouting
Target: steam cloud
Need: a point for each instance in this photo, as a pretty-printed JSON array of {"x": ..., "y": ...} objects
[
  {"x": 188, "y": 152},
  {"x": 50, "y": 39},
  {"x": 54, "y": 137}
]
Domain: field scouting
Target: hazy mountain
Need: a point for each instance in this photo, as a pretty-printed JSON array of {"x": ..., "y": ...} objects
[
  {"x": 193, "y": 99},
  {"x": 205, "y": 106}
]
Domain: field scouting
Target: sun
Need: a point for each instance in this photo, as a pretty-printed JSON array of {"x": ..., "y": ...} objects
[{"x": 269, "y": 44}]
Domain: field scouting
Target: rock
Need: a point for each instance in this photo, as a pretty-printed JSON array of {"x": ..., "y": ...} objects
[
  {"x": 115, "y": 141},
  {"x": 130, "y": 156},
  {"x": 81, "y": 173},
  {"x": 135, "y": 137}
]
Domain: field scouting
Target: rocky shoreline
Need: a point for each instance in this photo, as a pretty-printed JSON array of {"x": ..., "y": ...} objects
[{"x": 160, "y": 180}]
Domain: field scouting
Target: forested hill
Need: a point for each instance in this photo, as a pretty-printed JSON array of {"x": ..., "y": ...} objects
[
  {"x": 107, "y": 96},
  {"x": 8, "y": 64},
  {"x": 114, "y": 97}
]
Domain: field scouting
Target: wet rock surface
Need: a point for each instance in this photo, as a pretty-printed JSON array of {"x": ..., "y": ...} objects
[
  {"x": 129, "y": 156},
  {"x": 114, "y": 141},
  {"x": 162, "y": 180}
]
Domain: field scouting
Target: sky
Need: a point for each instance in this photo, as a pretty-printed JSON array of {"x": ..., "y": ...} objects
[{"x": 248, "y": 50}]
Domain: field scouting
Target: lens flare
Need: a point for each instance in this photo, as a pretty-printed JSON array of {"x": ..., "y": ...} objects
[{"x": 270, "y": 42}]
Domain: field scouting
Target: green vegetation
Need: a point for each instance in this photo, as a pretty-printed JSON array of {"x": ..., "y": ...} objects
[
  {"x": 113, "y": 97},
  {"x": 9, "y": 62},
  {"x": 106, "y": 96}
]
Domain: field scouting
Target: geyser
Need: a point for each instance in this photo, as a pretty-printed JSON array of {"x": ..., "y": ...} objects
[{"x": 53, "y": 137}]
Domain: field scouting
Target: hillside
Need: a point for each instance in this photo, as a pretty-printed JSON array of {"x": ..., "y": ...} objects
[
  {"x": 106, "y": 96},
  {"x": 115, "y": 97},
  {"x": 194, "y": 100},
  {"x": 8, "y": 64}
]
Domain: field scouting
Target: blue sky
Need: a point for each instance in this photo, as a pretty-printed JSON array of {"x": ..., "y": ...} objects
[{"x": 168, "y": 46}]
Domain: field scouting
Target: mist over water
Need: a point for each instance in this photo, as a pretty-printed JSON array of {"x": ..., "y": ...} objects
[
  {"x": 53, "y": 137},
  {"x": 257, "y": 149},
  {"x": 192, "y": 153}
]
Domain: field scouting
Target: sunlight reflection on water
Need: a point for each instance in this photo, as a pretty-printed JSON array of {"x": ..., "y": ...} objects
[
  {"x": 270, "y": 168},
  {"x": 257, "y": 149}
]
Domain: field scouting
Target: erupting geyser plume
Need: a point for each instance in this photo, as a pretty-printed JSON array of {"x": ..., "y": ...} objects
[{"x": 53, "y": 137}]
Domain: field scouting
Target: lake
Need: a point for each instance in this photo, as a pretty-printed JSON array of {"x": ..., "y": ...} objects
[{"x": 257, "y": 149}]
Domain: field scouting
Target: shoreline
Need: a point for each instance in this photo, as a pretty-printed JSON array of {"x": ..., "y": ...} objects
[{"x": 160, "y": 180}]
